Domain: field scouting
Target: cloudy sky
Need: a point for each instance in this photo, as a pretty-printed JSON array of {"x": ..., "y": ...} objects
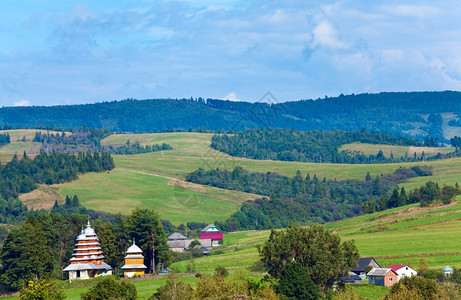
[{"x": 69, "y": 52}]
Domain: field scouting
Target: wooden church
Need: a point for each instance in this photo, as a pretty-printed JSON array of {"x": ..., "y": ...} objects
[
  {"x": 87, "y": 260},
  {"x": 134, "y": 262}
]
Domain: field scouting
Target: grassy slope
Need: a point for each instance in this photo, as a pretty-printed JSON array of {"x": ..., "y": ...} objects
[
  {"x": 393, "y": 236},
  {"x": 154, "y": 179},
  {"x": 397, "y": 151}
]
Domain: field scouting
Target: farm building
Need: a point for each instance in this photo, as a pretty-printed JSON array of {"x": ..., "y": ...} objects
[
  {"x": 447, "y": 271},
  {"x": 87, "y": 260},
  {"x": 382, "y": 276},
  {"x": 403, "y": 271},
  {"x": 351, "y": 278},
  {"x": 179, "y": 243},
  {"x": 213, "y": 233},
  {"x": 134, "y": 262},
  {"x": 365, "y": 264}
]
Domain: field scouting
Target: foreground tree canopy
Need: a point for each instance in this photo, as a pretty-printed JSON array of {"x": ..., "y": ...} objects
[{"x": 319, "y": 252}]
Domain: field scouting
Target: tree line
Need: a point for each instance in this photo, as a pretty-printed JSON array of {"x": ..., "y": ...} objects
[
  {"x": 402, "y": 114},
  {"x": 299, "y": 200},
  {"x": 4, "y": 139},
  {"x": 310, "y": 146},
  {"x": 89, "y": 139},
  {"x": 425, "y": 195},
  {"x": 43, "y": 245}
]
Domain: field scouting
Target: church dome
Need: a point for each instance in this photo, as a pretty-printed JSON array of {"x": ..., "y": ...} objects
[{"x": 133, "y": 249}]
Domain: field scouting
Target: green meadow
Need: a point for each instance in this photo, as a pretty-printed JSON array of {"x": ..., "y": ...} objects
[
  {"x": 155, "y": 180},
  {"x": 120, "y": 191},
  {"x": 400, "y": 235}
]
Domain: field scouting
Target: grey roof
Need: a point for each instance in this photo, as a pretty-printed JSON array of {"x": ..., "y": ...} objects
[
  {"x": 133, "y": 249},
  {"x": 380, "y": 272},
  {"x": 134, "y": 267},
  {"x": 210, "y": 226},
  {"x": 79, "y": 267},
  {"x": 134, "y": 256},
  {"x": 350, "y": 278},
  {"x": 176, "y": 244},
  {"x": 177, "y": 236},
  {"x": 362, "y": 263}
]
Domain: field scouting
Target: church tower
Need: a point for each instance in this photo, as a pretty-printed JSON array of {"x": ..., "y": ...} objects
[{"x": 134, "y": 262}]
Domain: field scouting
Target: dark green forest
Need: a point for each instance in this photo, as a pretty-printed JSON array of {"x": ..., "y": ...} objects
[
  {"x": 412, "y": 114},
  {"x": 4, "y": 139},
  {"x": 303, "y": 200},
  {"x": 309, "y": 146}
]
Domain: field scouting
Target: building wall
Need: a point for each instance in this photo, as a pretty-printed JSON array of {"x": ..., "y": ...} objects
[
  {"x": 134, "y": 261},
  {"x": 406, "y": 272},
  {"x": 133, "y": 272},
  {"x": 390, "y": 279}
]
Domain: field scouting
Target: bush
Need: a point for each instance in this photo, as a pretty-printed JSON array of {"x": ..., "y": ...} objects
[
  {"x": 414, "y": 287},
  {"x": 109, "y": 288},
  {"x": 221, "y": 271},
  {"x": 40, "y": 290}
]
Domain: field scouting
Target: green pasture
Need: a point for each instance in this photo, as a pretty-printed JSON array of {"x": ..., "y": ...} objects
[
  {"x": 121, "y": 191},
  {"x": 401, "y": 235}
]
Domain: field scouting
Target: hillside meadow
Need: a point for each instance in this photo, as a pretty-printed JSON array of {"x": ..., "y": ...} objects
[{"x": 155, "y": 180}]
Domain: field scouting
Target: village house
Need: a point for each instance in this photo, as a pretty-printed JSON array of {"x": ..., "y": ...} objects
[
  {"x": 213, "y": 233},
  {"x": 179, "y": 243},
  {"x": 134, "y": 262},
  {"x": 382, "y": 276},
  {"x": 403, "y": 271},
  {"x": 365, "y": 264},
  {"x": 87, "y": 260}
]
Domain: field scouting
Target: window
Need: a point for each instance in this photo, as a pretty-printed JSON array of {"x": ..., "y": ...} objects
[
  {"x": 134, "y": 261},
  {"x": 390, "y": 278}
]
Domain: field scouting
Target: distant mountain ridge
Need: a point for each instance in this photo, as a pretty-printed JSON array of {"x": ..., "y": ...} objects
[{"x": 411, "y": 114}]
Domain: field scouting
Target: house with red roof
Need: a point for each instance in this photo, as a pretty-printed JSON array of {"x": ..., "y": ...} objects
[
  {"x": 403, "y": 271},
  {"x": 213, "y": 233}
]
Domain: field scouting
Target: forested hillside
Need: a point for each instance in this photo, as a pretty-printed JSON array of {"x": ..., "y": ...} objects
[
  {"x": 414, "y": 114},
  {"x": 304, "y": 200},
  {"x": 309, "y": 146}
]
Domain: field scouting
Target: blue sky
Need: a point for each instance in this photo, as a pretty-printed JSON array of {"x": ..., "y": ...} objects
[{"x": 70, "y": 52}]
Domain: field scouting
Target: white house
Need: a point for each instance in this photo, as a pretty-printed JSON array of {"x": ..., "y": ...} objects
[{"x": 403, "y": 271}]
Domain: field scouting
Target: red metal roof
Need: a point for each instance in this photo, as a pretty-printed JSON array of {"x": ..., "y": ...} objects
[
  {"x": 212, "y": 235},
  {"x": 396, "y": 267}
]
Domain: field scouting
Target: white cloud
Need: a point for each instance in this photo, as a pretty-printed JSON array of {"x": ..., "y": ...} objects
[
  {"x": 416, "y": 11},
  {"x": 22, "y": 103},
  {"x": 325, "y": 35},
  {"x": 232, "y": 96}
]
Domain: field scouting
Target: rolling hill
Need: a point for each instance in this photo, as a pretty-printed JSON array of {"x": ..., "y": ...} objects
[
  {"x": 155, "y": 180},
  {"x": 413, "y": 114}
]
